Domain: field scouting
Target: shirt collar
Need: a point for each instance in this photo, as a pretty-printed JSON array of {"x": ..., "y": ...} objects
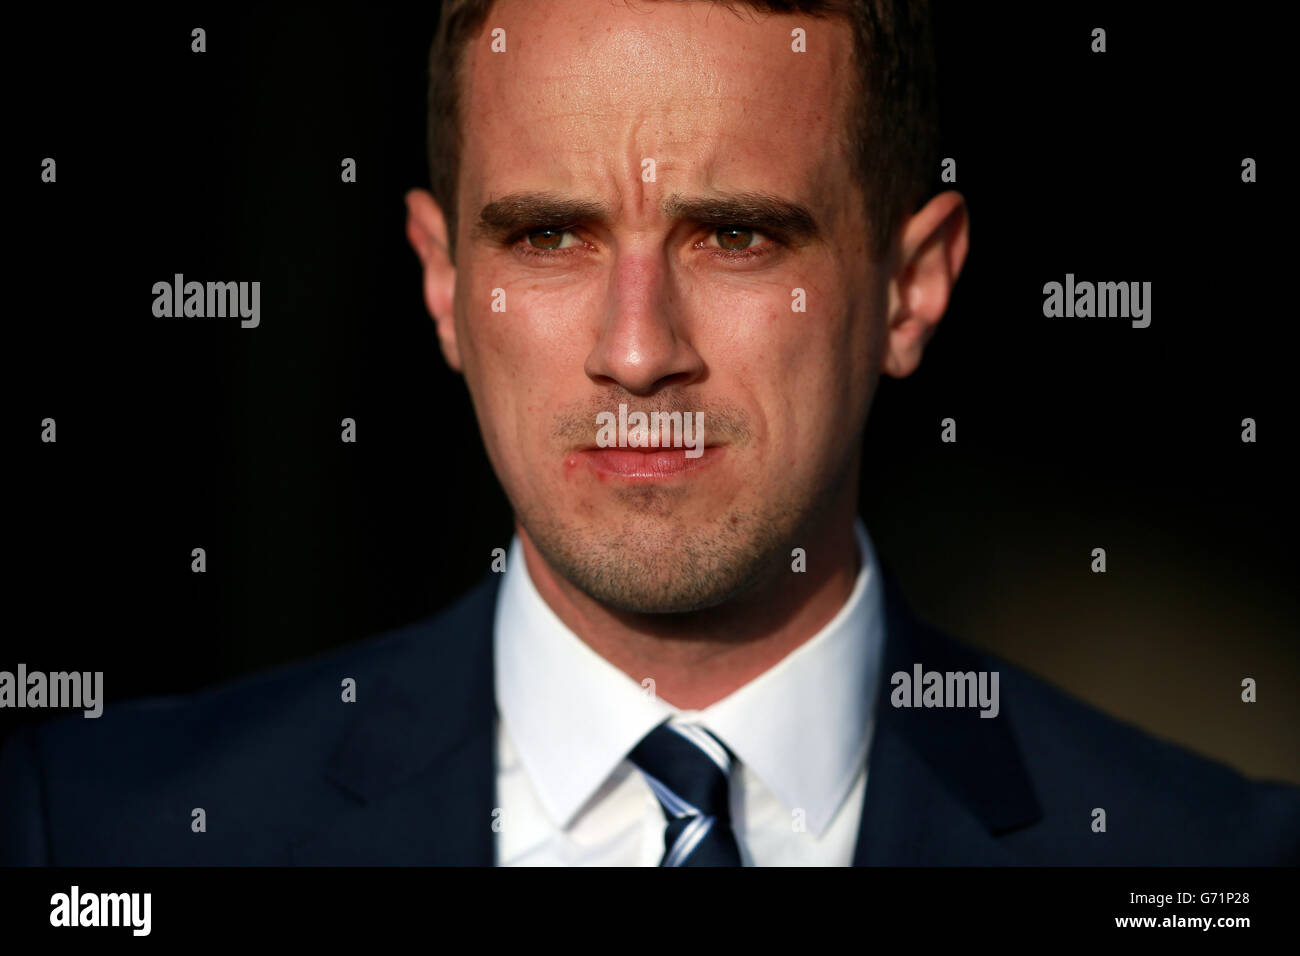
[{"x": 803, "y": 726}]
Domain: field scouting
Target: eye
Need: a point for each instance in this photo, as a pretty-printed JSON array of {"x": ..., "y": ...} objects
[
  {"x": 738, "y": 242},
  {"x": 547, "y": 239}
]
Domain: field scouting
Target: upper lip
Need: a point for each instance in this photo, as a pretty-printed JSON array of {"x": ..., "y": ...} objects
[{"x": 642, "y": 448}]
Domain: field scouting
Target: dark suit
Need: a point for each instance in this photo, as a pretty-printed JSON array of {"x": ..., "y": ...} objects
[{"x": 287, "y": 773}]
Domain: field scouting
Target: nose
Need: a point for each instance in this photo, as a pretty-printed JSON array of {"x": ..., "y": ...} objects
[{"x": 643, "y": 344}]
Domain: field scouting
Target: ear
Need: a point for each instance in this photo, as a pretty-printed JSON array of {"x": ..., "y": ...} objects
[
  {"x": 426, "y": 230},
  {"x": 931, "y": 251}
]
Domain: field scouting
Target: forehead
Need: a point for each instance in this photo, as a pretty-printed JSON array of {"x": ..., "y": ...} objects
[{"x": 586, "y": 90}]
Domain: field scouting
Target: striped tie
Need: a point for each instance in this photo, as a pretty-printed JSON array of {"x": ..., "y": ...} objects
[{"x": 688, "y": 769}]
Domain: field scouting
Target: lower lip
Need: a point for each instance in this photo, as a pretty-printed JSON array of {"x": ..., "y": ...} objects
[{"x": 653, "y": 465}]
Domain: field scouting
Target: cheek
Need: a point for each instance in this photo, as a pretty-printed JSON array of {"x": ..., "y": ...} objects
[
  {"x": 797, "y": 334},
  {"x": 809, "y": 372},
  {"x": 522, "y": 360},
  {"x": 505, "y": 331}
]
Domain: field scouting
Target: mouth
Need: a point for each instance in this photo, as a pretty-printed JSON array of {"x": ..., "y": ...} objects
[{"x": 648, "y": 464}]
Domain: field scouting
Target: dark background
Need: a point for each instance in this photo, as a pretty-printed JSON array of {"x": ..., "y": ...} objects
[{"x": 1073, "y": 434}]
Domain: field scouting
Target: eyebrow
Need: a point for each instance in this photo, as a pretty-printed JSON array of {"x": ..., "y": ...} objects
[{"x": 782, "y": 218}]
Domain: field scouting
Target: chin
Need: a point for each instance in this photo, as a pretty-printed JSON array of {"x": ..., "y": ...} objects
[{"x": 659, "y": 566}]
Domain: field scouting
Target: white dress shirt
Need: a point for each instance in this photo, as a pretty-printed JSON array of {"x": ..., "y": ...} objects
[{"x": 567, "y": 718}]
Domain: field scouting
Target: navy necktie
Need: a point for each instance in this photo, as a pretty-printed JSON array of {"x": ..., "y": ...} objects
[{"x": 689, "y": 770}]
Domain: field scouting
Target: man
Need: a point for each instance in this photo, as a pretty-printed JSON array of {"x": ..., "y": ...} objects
[{"x": 671, "y": 246}]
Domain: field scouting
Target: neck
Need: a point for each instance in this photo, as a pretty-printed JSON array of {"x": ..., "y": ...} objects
[{"x": 698, "y": 658}]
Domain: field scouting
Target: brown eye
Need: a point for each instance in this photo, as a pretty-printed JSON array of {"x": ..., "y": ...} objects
[
  {"x": 546, "y": 238},
  {"x": 734, "y": 238}
]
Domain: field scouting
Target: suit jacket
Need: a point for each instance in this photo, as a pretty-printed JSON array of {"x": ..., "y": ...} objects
[{"x": 287, "y": 773}]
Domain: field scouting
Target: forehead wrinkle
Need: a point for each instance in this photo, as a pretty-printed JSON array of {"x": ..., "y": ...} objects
[{"x": 634, "y": 153}]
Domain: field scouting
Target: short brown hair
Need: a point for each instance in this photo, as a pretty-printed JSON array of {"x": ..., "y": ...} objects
[{"x": 896, "y": 136}]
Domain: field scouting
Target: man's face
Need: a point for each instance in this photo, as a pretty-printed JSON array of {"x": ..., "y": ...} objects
[{"x": 649, "y": 298}]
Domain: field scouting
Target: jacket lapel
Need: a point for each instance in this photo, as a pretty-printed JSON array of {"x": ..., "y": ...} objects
[
  {"x": 419, "y": 760},
  {"x": 942, "y": 783}
]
